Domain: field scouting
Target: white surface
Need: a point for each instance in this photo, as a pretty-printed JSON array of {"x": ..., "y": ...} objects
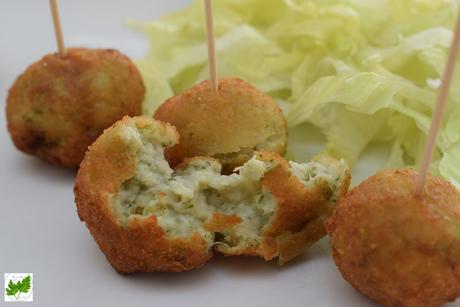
[{"x": 39, "y": 228}]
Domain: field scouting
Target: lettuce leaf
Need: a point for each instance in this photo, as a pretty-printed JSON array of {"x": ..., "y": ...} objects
[
  {"x": 362, "y": 71},
  {"x": 449, "y": 166},
  {"x": 156, "y": 94}
]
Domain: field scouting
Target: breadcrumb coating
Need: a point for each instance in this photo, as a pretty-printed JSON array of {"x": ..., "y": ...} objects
[
  {"x": 60, "y": 105},
  {"x": 396, "y": 248},
  {"x": 228, "y": 125}
]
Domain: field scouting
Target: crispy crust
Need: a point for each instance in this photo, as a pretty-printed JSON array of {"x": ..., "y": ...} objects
[
  {"x": 228, "y": 125},
  {"x": 396, "y": 248},
  {"x": 299, "y": 219},
  {"x": 60, "y": 105},
  {"x": 220, "y": 222},
  {"x": 141, "y": 245}
]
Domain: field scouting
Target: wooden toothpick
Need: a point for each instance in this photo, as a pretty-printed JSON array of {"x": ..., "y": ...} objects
[
  {"x": 439, "y": 110},
  {"x": 57, "y": 27},
  {"x": 211, "y": 44}
]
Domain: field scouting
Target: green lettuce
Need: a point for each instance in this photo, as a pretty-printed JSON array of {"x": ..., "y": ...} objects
[
  {"x": 158, "y": 88},
  {"x": 362, "y": 71}
]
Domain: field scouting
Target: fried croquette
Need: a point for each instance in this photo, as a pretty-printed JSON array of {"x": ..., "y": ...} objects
[
  {"x": 228, "y": 125},
  {"x": 395, "y": 247},
  {"x": 145, "y": 216},
  {"x": 60, "y": 105}
]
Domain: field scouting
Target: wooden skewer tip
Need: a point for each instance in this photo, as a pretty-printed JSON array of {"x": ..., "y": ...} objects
[
  {"x": 439, "y": 110},
  {"x": 211, "y": 44},
  {"x": 57, "y": 27}
]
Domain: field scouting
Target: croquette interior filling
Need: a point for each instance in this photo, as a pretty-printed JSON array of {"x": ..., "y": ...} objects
[
  {"x": 186, "y": 200},
  {"x": 314, "y": 172}
]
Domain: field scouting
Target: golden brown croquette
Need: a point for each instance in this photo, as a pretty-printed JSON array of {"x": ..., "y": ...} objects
[
  {"x": 396, "y": 248},
  {"x": 60, "y": 105},
  {"x": 228, "y": 125},
  {"x": 138, "y": 243},
  {"x": 145, "y": 216}
]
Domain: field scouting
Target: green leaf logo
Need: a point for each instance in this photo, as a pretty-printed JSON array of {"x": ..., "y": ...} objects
[{"x": 16, "y": 288}]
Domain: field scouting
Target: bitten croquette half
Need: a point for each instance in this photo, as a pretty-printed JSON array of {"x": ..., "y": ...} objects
[
  {"x": 228, "y": 125},
  {"x": 146, "y": 216},
  {"x": 61, "y": 104}
]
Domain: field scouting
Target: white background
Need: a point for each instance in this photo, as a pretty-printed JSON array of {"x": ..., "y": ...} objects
[{"x": 39, "y": 228}]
